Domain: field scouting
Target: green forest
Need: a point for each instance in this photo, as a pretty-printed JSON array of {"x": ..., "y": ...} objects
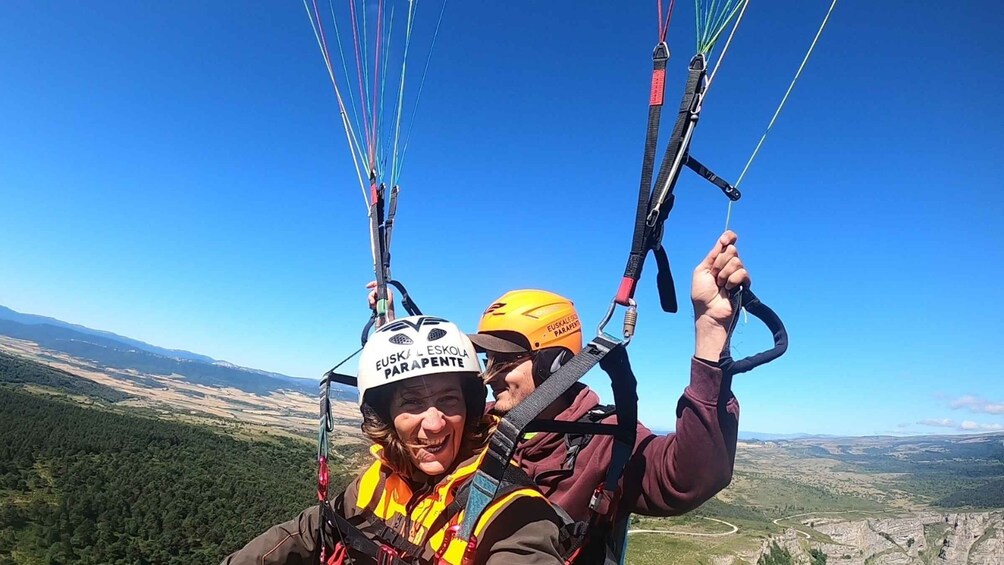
[
  {"x": 16, "y": 370},
  {"x": 88, "y": 485}
]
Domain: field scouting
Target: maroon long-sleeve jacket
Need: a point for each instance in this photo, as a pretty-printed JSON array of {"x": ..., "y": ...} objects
[{"x": 667, "y": 475}]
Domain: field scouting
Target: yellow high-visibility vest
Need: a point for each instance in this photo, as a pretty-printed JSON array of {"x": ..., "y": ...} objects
[{"x": 388, "y": 496}]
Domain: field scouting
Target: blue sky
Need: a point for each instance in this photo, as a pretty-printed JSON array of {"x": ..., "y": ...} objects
[{"x": 177, "y": 173}]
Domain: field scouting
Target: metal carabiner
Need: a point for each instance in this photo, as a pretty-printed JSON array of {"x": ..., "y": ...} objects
[{"x": 630, "y": 320}]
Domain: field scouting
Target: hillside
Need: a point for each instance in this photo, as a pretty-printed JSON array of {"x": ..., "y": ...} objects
[
  {"x": 176, "y": 397},
  {"x": 860, "y": 501},
  {"x": 33, "y": 319},
  {"x": 85, "y": 485},
  {"x": 110, "y": 351},
  {"x": 19, "y": 371}
]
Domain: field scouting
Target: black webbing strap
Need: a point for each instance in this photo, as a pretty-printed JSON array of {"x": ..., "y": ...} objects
[
  {"x": 353, "y": 538},
  {"x": 388, "y": 223},
  {"x": 660, "y": 56},
  {"x": 679, "y": 141},
  {"x": 625, "y": 389},
  {"x": 744, "y": 298},
  {"x": 664, "y": 279},
  {"x": 604, "y": 350},
  {"x": 579, "y": 427},
  {"x": 653, "y": 210},
  {"x": 381, "y": 260},
  {"x": 382, "y": 214},
  {"x": 340, "y": 378},
  {"x": 409, "y": 305},
  {"x": 326, "y": 426},
  {"x": 377, "y": 529},
  {"x": 730, "y": 191}
]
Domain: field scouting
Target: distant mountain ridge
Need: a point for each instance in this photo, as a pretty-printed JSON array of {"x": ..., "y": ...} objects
[
  {"x": 763, "y": 436},
  {"x": 34, "y": 319},
  {"x": 113, "y": 351}
]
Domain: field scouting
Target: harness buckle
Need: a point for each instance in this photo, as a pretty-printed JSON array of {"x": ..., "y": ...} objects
[{"x": 600, "y": 501}]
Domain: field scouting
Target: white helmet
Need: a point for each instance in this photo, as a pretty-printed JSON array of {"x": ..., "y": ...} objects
[{"x": 413, "y": 347}]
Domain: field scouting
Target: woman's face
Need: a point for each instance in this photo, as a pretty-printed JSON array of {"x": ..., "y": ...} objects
[{"x": 429, "y": 415}]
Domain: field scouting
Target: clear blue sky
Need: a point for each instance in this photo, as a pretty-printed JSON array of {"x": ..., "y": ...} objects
[{"x": 177, "y": 173}]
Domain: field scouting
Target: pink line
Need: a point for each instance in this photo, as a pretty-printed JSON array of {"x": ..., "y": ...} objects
[
  {"x": 659, "y": 17},
  {"x": 669, "y": 16},
  {"x": 359, "y": 72},
  {"x": 376, "y": 77}
]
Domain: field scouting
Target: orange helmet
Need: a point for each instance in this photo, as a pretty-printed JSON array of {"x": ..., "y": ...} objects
[{"x": 529, "y": 320}]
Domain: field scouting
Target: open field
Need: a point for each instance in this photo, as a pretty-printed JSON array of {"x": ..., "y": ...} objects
[{"x": 172, "y": 397}]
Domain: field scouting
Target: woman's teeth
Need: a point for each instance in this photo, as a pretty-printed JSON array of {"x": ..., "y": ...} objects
[{"x": 435, "y": 448}]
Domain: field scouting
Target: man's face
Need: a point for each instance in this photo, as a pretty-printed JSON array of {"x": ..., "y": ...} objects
[{"x": 510, "y": 377}]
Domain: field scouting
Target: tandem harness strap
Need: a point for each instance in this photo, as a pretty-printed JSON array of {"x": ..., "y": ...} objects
[
  {"x": 393, "y": 549},
  {"x": 611, "y": 354}
]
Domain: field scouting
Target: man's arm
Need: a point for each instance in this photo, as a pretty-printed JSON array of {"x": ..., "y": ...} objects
[{"x": 676, "y": 473}]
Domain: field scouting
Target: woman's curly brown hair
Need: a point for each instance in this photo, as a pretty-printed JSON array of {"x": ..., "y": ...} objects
[{"x": 379, "y": 428}]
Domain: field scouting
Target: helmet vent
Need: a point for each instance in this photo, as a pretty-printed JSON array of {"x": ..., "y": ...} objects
[
  {"x": 401, "y": 339},
  {"x": 437, "y": 333}
]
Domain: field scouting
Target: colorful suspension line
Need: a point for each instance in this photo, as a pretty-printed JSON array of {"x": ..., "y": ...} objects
[
  {"x": 376, "y": 143},
  {"x": 367, "y": 30}
]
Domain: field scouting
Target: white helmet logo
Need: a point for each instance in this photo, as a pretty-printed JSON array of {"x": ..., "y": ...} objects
[{"x": 413, "y": 347}]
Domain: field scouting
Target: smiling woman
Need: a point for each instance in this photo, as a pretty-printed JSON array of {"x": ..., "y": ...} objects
[
  {"x": 424, "y": 422},
  {"x": 423, "y": 404}
]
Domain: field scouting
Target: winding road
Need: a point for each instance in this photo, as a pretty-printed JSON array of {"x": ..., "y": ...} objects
[
  {"x": 807, "y": 536},
  {"x": 734, "y": 527}
]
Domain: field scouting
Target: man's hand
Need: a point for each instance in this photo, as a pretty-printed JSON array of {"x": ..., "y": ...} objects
[
  {"x": 373, "y": 298},
  {"x": 714, "y": 278}
]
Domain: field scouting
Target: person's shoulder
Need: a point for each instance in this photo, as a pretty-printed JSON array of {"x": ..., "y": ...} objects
[{"x": 525, "y": 504}]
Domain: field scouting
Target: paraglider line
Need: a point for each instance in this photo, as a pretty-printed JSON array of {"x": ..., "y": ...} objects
[
  {"x": 664, "y": 27},
  {"x": 360, "y": 72},
  {"x": 421, "y": 86},
  {"x": 784, "y": 99},
  {"x": 376, "y": 79},
  {"x": 347, "y": 125},
  {"x": 728, "y": 42},
  {"x": 400, "y": 94},
  {"x": 345, "y": 70}
]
